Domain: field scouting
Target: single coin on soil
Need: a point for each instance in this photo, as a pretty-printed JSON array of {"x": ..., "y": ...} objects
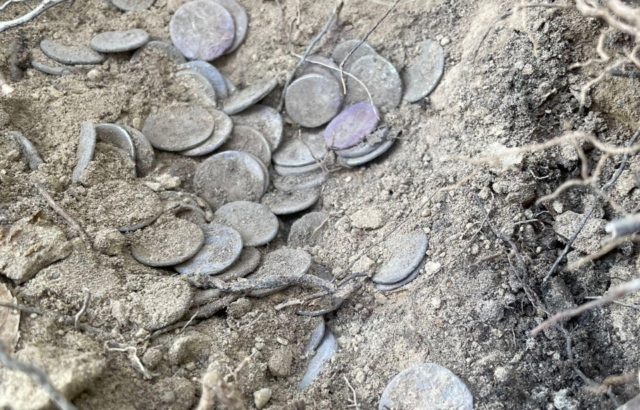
[
  {"x": 244, "y": 99},
  {"x": 351, "y": 126},
  {"x": 212, "y": 74},
  {"x": 343, "y": 49},
  {"x": 70, "y": 54},
  {"x": 85, "y": 150},
  {"x": 423, "y": 74},
  {"x": 285, "y": 203},
  {"x": 159, "y": 46},
  {"x": 222, "y": 247},
  {"x": 380, "y": 78},
  {"x": 381, "y": 149},
  {"x": 240, "y": 21},
  {"x": 303, "y": 149},
  {"x": 405, "y": 253},
  {"x": 247, "y": 139},
  {"x": 221, "y": 133},
  {"x": 256, "y": 224},
  {"x": 29, "y": 153},
  {"x": 308, "y": 230},
  {"x": 201, "y": 90},
  {"x": 298, "y": 182},
  {"x": 118, "y": 136},
  {"x": 119, "y": 41},
  {"x": 313, "y": 100},
  {"x": 144, "y": 151},
  {"x": 247, "y": 262},
  {"x": 289, "y": 171},
  {"x": 178, "y": 128},
  {"x": 324, "y": 352},
  {"x": 132, "y": 5},
  {"x": 265, "y": 119},
  {"x": 283, "y": 263}
]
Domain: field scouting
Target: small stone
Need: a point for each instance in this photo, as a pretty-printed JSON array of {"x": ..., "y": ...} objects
[
  {"x": 262, "y": 397},
  {"x": 152, "y": 357},
  {"x": 445, "y": 41},
  {"x": 501, "y": 374},
  {"x": 168, "y": 182},
  {"x": 280, "y": 362},
  {"x": 95, "y": 75},
  {"x": 562, "y": 401},
  {"x": 368, "y": 218},
  {"x": 109, "y": 242},
  {"x": 191, "y": 347},
  {"x": 489, "y": 311},
  {"x": 364, "y": 265}
]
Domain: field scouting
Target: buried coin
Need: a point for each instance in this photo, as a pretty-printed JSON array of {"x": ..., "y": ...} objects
[
  {"x": 265, "y": 119},
  {"x": 308, "y": 230},
  {"x": 178, "y": 128},
  {"x": 212, "y": 75},
  {"x": 116, "y": 135},
  {"x": 240, "y": 21},
  {"x": 244, "y": 99},
  {"x": 305, "y": 150},
  {"x": 222, "y": 247},
  {"x": 408, "y": 279},
  {"x": 165, "y": 48},
  {"x": 203, "y": 91},
  {"x": 313, "y": 100},
  {"x": 380, "y": 78},
  {"x": 247, "y": 262},
  {"x": 202, "y": 30},
  {"x": 247, "y": 139},
  {"x": 230, "y": 176},
  {"x": 256, "y": 224},
  {"x": 285, "y": 203},
  {"x": 351, "y": 126},
  {"x": 144, "y": 151},
  {"x": 324, "y": 66},
  {"x": 381, "y": 149},
  {"x": 70, "y": 54},
  {"x": 283, "y": 263},
  {"x": 288, "y": 171},
  {"x": 59, "y": 71},
  {"x": 221, "y": 133},
  {"x": 343, "y": 49},
  {"x": 168, "y": 242},
  {"x": 406, "y": 252},
  {"x": 422, "y": 75},
  {"x": 265, "y": 171},
  {"x": 316, "y": 337},
  {"x": 29, "y": 153},
  {"x": 324, "y": 352},
  {"x": 119, "y": 41},
  {"x": 368, "y": 145},
  {"x": 85, "y": 150},
  {"x": 426, "y": 386},
  {"x": 298, "y": 182},
  {"x": 132, "y": 5}
]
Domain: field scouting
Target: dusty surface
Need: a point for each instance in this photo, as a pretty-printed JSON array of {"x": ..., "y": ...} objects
[{"x": 472, "y": 318}]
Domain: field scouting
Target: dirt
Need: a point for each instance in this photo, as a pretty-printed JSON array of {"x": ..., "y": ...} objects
[{"x": 473, "y": 317}]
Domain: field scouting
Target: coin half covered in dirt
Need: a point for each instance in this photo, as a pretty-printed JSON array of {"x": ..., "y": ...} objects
[
  {"x": 265, "y": 119},
  {"x": 408, "y": 279},
  {"x": 343, "y": 49},
  {"x": 159, "y": 46},
  {"x": 247, "y": 262},
  {"x": 283, "y": 263},
  {"x": 168, "y": 242},
  {"x": 132, "y": 5},
  {"x": 256, "y": 224},
  {"x": 249, "y": 96},
  {"x": 368, "y": 145},
  {"x": 308, "y": 230},
  {"x": 212, "y": 74},
  {"x": 422, "y": 75},
  {"x": 85, "y": 150},
  {"x": 298, "y": 182},
  {"x": 316, "y": 337},
  {"x": 178, "y": 128},
  {"x": 221, "y": 133},
  {"x": 144, "y": 151},
  {"x": 70, "y": 54},
  {"x": 119, "y": 41},
  {"x": 265, "y": 171},
  {"x": 426, "y": 386},
  {"x": 202, "y": 30},
  {"x": 288, "y": 171},
  {"x": 29, "y": 153},
  {"x": 222, "y": 247},
  {"x": 247, "y": 139},
  {"x": 285, "y": 203},
  {"x": 324, "y": 352},
  {"x": 313, "y": 100},
  {"x": 306, "y": 149},
  {"x": 380, "y": 78},
  {"x": 240, "y": 20},
  {"x": 59, "y": 71},
  {"x": 228, "y": 177},
  {"x": 200, "y": 89},
  {"x": 381, "y": 149},
  {"x": 351, "y": 126},
  {"x": 118, "y": 136},
  {"x": 405, "y": 253}
]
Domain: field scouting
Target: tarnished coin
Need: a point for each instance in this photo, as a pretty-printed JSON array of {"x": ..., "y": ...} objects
[
  {"x": 168, "y": 242},
  {"x": 247, "y": 262},
  {"x": 324, "y": 66},
  {"x": 405, "y": 253},
  {"x": 298, "y": 182},
  {"x": 265, "y": 119},
  {"x": 201, "y": 89},
  {"x": 70, "y": 54},
  {"x": 132, "y": 5},
  {"x": 221, "y": 133},
  {"x": 256, "y": 224},
  {"x": 244, "y": 99},
  {"x": 230, "y": 86},
  {"x": 178, "y": 128},
  {"x": 284, "y": 263},
  {"x": 305, "y": 150},
  {"x": 285, "y": 203},
  {"x": 212, "y": 74},
  {"x": 324, "y": 352},
  {"x": 202, "y": 30},
  {"x": 228, "y": 177},
  {"x": 287, "y": 171},
  {"x": 118, "y": 136},
  {"x": 308, "y": 230},
  {"x": 144, "y": 151},
  {"x": 29, "y": 153},
  {"x": 368, "y": 145},
  {"x": 351, "y": 126},
  {"x": 159, "y": 46},
  {"x": 381, "y": 149},
  {"x": 408, "y": 279},
  {"x": 343, "y": 49},
  {"x": 85, "y": 150},
  {"x": 240, "y": 20},
  {"x": 313, "y": 100},
  {"x": 59, "y": 71},
  {"x": 265, "y": 171},
  {"x": 381, "y": 79},
  {"x": 222, "y": 247},
  {"x": 423, "y": 74},
  {"x": 426, "y": 386},
  {"x": 247, "y": 139},
  {"x": 316, "y": 337},
  {"x": 119, "y": 41}
]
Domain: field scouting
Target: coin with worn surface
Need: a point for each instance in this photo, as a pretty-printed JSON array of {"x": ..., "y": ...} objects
[
  {"x": 381, "y": 149},
  {"x": 212, "y": 74},
  {"x": 119, "y": 41},
  {"x": 200, "y": 89},
  {"x": 284, "y": 263},
  {"x": 265, "y": 170},
  {"x": 287, "y": 171},
  {"x": 202, "y": 30},
  {"x": 159, "y": 46},
  {"x": 405, "y": 253},
  {"x": 29, "y": 153},
  {"x": 265, "y": 119},
  {"x": 247, "y": 262},
  {"x": 168, "y": 242},
  {"x": 178, "y": 128},
  {"x": 230, "y": 86},
  {"x": 244, "y": 99},
  {"x": 59, "y": 71},
  {"x": 316, "y": 337},
  {"x": 324, "y": 352},
  {"x": 222, "y": 247},
  {"x": 298, "y": 182},
  {"x": 9, "y": 320},
  {"x": 285, "y": 203},
  {"x": 308, "y": 230},
  {"x": 426, "y": 386},
  {"x": 221, "y": 133},
  {"x": 240, "y": 20},
  {"x": 320, "y": 65},
  {"x": 423, "y": 74},
  {"x": 85, "y": 150},
  {"x": 144, "y": 151},
  {"x": 370, "y": 143},
  {"x": 408, "y": 279},
  {"x": 306, "y": 149},
  {"x": 380, "y": 78},
  {"x": 247, "y": 139},
  {"x": 313, "y": 100},
  {"x": 228, "y": 177},
  {"x": 343, "y": 49},
  {"x": 351, "y": 126},
  {"x": 118, "y": 136},
  {"x": 70, "y": 54},
  {"x": 256, "y": 224},
  {"x": 132, "y": 5}
]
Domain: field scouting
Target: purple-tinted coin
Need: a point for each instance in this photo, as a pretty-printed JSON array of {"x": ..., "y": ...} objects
[
  {"x": 212, "y": 74},
  {"x": 265, "y": 119},
  {"x": 313, "y": 100},
  {"x": 240, "y": 20},
  {"x": 221, "y": 133},
  {"x": 351, "y": 126},
  {"x": 202, "y": 30}
]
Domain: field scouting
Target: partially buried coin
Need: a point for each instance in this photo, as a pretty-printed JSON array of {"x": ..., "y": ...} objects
[
  {"x": 285, "y": 203},
  {"x": 244, "y": 99},
  {"x": 212, "y": 74},
  {"x": 381, "y": 149},
  {"x": 132, "y": 5},
  {"x": 426, "y": 386},
  {"x": 159, "y": 46},
  {"x": 308, "y": 230},
  {"x": 423, "y": 74},
  {"x": 343, "y": 49},
  {"x": 369, "y": 144},
  {"x": 29, "y": 153},
  {"x": 202, "y": 30},
  {"x": 316, "y": 337},
  {"x": 284, "y": 263},
  {"x": 144, "y": 151},
  {"x": 247, "y": 139},
  {"x": 116, "y": 135},
  {"x": 351, "y": 126},
  {"x": 59, "y": 71},
  {"x": 288, "y": 171},
  {"x": 298, "y": 182},
  {"x": 408, "y": 279},
  {"x": 324, "y": 352},
  {"x": 256, "y": 224},
  {"x": 168, "y": 242},
  {"x": 119, "y": 41},
  {"x": 222, "y": 247},
  {"x": 70, "y": 54},
  {"x": 85, "y": 150},
  {"x": 313, "y": 100},
  {"x": 240, "y": 20},
  {"x": 305, "y": 149},
  {"x": 406, "y": 251},
  {"x": 247, "y": 262},
  {"x": 178, "y": 128},
  {"x": 200, "y": 89},
  {"x": 221, "y": 133},
  {"x": 265, "y": 119},
  {"x": 380, "y": 78}
]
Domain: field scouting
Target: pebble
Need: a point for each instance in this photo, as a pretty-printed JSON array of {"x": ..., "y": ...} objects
[
  {"x": 285, "y": 203},
  {"x": 117, "y": 136},
  {"x": 109, "y": 241},
  {"x": 256, "y": 224},
  {"x": 132, "y": 5},
  {"x": 168, "y": 242},
  {"x": 313, "y": 100},
  {"x": 222, "y": 247},
  {"x": 262, "y": 397},
  {"x": 298, "y": 182},
  {"x": 244, "y": 99},
  {"x": 240, "y": 20},
  {"x": 29, "y": 153},
  {"x": 166, "y": 48},
  {"x": 265, "y": 119},
  {"x": 305, "y": 150},
  {"x": 221, "y": 133},
  {"x": 288, "y": 171},
  {"x": 202, "y": 30},
  {"x": 247, "y": 262},
  {"x": 351, "y": 126},
  {"x": 426, "y": 386},
  {"x": 212, "y": 75},
  {"x": 228, "y": 177},
  {"x": 381, "y": 79},
  {"x": 70, "y": 54},
  {"x": 308, "y": 230},
  {"x": 406, "y": 252},
  {"x": 178, "y": 128},
  {"x": 408, "y": 279},
  {"x": 325, "y": 351},
  {"x": 280, "y": 362},
  {"x": 95, "y": 75},
  {"x": 144, "y": 151},
  {"x": 119, "y": 41},
  {"x": 59, "y": 71},
  {"x": 422, "y": 75},
  {"x": 284, "y": 263},
  {"x": 368, "y": 218},
  {"x": 316, "y": 337},
  {"x": 204, "y": 91},
  {"x": 354, "y": 162},
  {"x": 247, "y": 139},
  {"x": 343, "y": 49},
  {"x": 85, "y": 150}
]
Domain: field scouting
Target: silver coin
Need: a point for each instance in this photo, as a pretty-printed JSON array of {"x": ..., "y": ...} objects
[
  {"x": 354, "y": 162},
  {"x": 247, "y": 139},
  {"x": 313, "y": 100},
  {"x": 298, "y": 182},
  {"x": 403, "y": 282},
  {"x": 406, "y": 252},
  {"x": 202, "y": 88},
  {"x": 316, "y": 337},
  {"x": 29, "y": 153},
  {"x": 240, "y": 20},
  {"x": 325, "y": 351},
  {"x": 381, "y": 80},
  {"x": 222, "y": 247},
  {"x": 212, "y": 74},
  {"x": 165, "y": 48},
  {"x": 287, "y": 171},
  {"x": 423, "y": 74},
  {"x": 265, "y": 171},
  {"x": 308, "y": 230},
  {"x": 132, "y": 5},
  {"x": 119, "y": 41},
  {"x": 70, "y": 54},
  {"x": 370, "y": 144},
  {"x": 167, "y": 243},
  {"x": 285, "y": 263},
  {"x": 230, "y": 86},
  {"x": 325, "y": 66},
  {"x": 306, "y": 149},
  {"x": 256, "y": 224},
  {"x": 59, "y": 71},
  {"x": 265, "y": 119},
  {"x": 285, "y": 203},
  {"x": 118, "y": 136},
  {"x": 85, "y": 150},
  {"x": 144, "y": 151},
  {"x": 244, "y": 99},
  {"x": 221, "y": 133},
  {"x": 343, "y": 49},
  {"x": 178, "y": 128},
  {"x": 247, "y": 262}
]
